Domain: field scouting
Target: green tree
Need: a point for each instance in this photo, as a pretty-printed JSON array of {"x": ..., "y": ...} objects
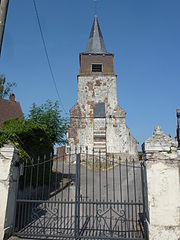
[
  {"x": 49, "y": 115},
  {"x": 5, "y": 87},
  {"x": 29, "y": 137},
  {"x": 38, "y": 134}
]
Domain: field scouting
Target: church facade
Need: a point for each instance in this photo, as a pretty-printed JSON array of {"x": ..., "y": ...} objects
[{"x": 96, "y": 120}]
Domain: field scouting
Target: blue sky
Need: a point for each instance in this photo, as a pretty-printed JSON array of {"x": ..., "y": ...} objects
[{"x": 144, "y": 36}]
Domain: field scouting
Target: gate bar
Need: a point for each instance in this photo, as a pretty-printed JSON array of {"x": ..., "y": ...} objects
[{"x": 77, "y": 197}]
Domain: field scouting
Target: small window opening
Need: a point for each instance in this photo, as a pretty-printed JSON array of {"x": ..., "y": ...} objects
[{"x": 96, "y": 67}]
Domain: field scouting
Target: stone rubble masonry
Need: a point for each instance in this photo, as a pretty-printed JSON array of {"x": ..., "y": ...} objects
[
  {"x": 97, "y": 88},
  {"x": 163, "y": 186},
  {"x": 8, "y": 188}
]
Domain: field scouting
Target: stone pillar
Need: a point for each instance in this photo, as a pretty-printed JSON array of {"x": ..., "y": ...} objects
[
  {"x": 9, "y": 175},
  {"x": 163, "y": 186}
]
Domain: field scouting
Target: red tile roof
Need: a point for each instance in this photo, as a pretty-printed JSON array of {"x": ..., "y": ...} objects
[{"x": 10, "y": 109}]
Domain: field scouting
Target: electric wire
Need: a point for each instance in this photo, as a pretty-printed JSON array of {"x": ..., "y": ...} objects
[
  {"x": 47, "y": 56},
  {"x": 51, "y": 71}
]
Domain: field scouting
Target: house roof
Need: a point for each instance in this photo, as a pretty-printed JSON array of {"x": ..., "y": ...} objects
[
  {"x": 10, "y": 109},
  {"x": 96, "y": 42}
]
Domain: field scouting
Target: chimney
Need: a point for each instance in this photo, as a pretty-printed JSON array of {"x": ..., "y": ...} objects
[{"x": 12, "y": 97}]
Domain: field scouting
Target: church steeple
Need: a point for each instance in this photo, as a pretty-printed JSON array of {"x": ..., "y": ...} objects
[
  {"x": 96, "y": 42},
  {"x": 96, "y": 60}
]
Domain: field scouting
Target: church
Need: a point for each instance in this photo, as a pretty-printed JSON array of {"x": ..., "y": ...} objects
[{"x": 96, "y": 120}]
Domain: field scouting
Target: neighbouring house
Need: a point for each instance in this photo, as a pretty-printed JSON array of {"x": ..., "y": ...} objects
[
  {"x": 96, "y": 120},
  {"x": 10, "y": 109}
]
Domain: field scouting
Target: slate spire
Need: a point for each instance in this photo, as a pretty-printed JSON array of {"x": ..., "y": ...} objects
[{"x": 96, "y": 42}]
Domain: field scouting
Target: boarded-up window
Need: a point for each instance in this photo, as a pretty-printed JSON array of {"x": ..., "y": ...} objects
[{"x": 99, "y": 110}]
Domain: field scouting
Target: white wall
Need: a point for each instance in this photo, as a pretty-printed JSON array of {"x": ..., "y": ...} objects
[
  {"x": 163, "y": 181},
  {"x": 9, "y": 176},
  {"x": 163, "y": 185},
  {"x": 94, "y": 89}
]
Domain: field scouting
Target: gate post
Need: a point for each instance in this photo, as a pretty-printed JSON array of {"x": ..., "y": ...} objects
[
  {"x": 9, "y": 176},
  {"x": 163, "y": 186}
]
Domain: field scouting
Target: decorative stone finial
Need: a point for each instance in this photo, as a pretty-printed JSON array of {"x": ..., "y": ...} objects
[
  {"x": 160, "y": 146},
  {"x": 157, "y": 130}
]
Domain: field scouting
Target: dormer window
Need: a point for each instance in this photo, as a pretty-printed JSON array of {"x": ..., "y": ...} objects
[{"x": 96, "y": 67}]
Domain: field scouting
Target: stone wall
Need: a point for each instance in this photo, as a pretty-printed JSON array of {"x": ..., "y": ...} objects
[
  {"x": 9, "y": 175},
  {"x": 95, "y": 89},
  {"x": 163, "y": 185}
]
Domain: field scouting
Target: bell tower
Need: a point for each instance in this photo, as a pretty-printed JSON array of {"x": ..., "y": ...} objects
[
  {"x": 96, "y": 59},
  {"x": 96, "y": 120}
]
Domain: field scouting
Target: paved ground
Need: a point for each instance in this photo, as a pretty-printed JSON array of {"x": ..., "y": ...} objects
[{"x": 96, "y": 189}]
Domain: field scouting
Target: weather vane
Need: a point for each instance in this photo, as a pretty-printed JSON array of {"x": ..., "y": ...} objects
[{"x": 95, "y": 7}]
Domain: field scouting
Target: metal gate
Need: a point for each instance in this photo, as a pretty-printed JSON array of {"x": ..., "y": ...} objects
[{"x": 81, "y": 196}]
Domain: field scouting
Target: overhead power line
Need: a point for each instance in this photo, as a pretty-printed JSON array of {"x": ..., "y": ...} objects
[{"x": 47, "y": 56}]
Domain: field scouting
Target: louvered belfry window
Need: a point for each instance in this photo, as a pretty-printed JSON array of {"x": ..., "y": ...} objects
[{"x": 96, "y": 67}]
